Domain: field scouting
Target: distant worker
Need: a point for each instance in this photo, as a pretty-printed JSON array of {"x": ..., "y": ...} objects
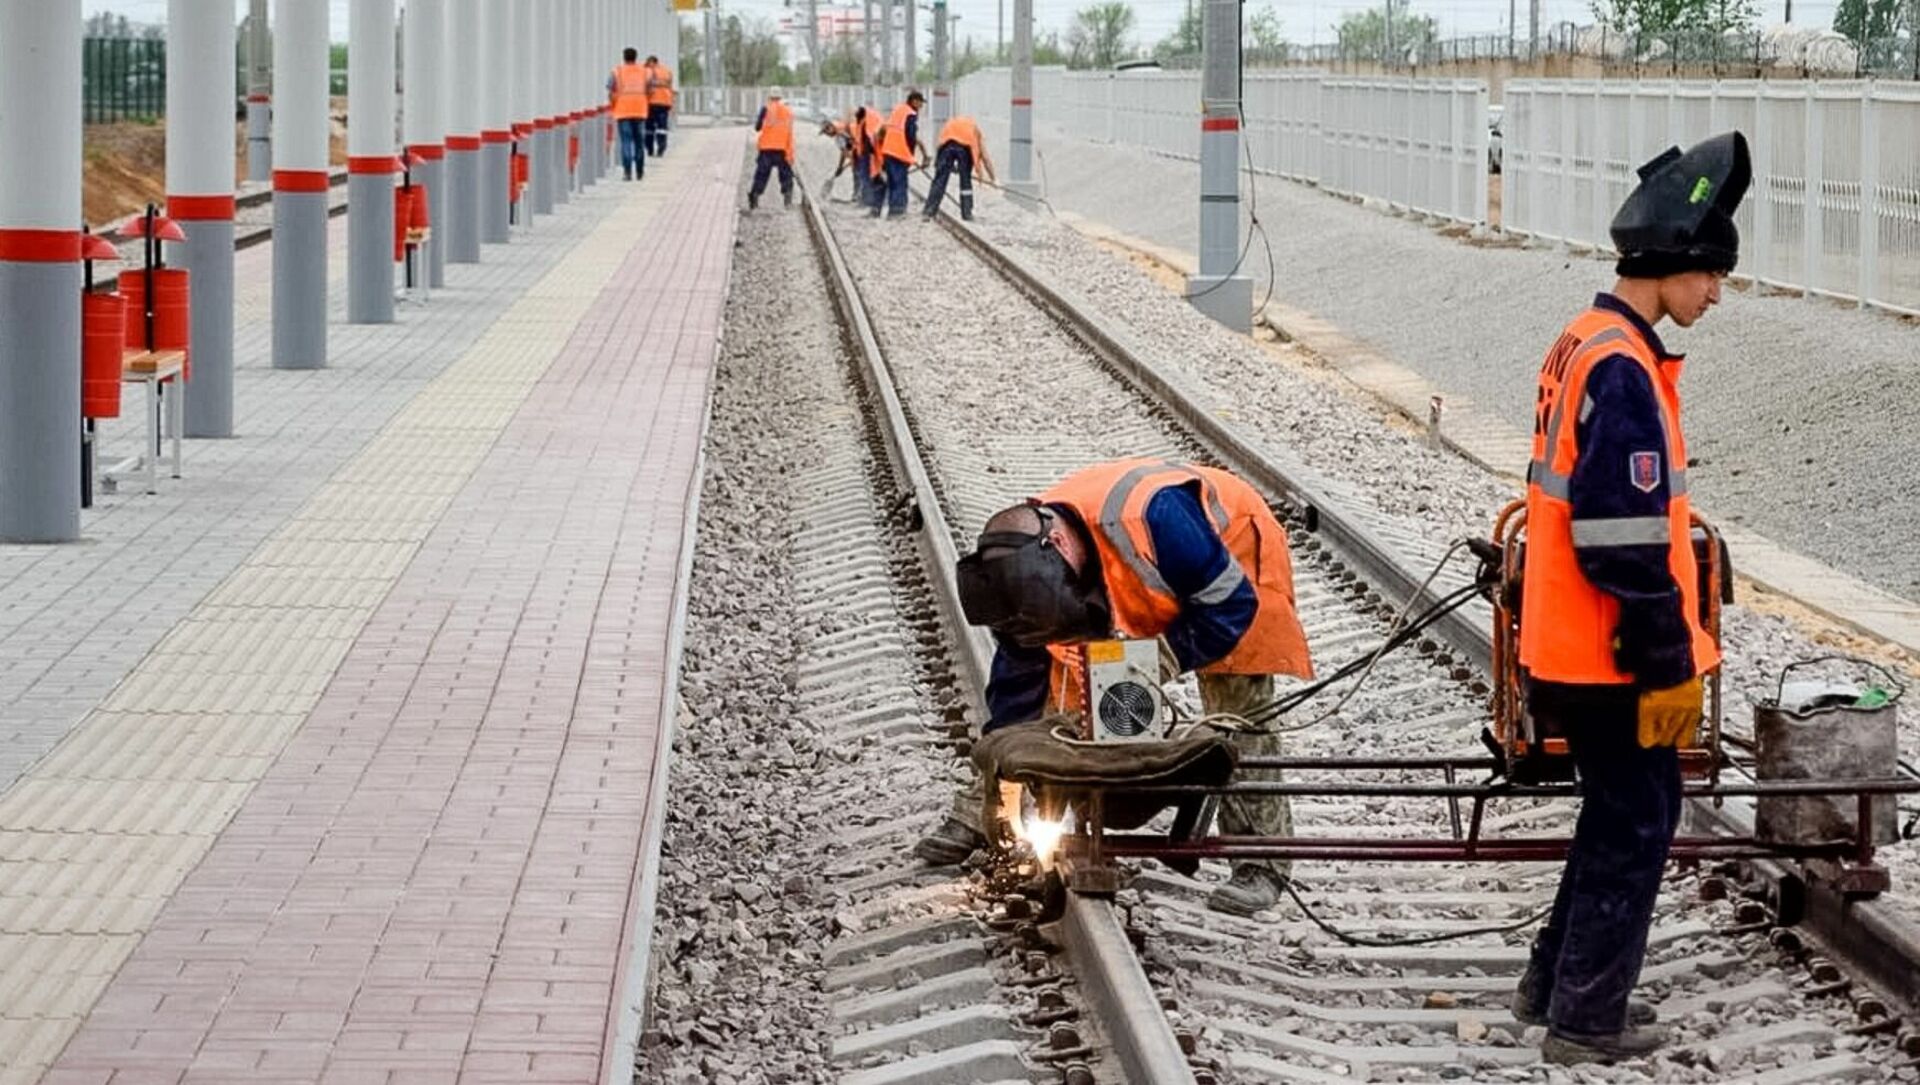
[
  {"x": 841, "y": 132},
  {"x": 659, "y": 105},
  {"x": 899, "y": 147},
  {"x": 775, "y": 125},
  {"x": 959, "y": 150},
  {"x": 627, "y": 91},
  {"x": 1138, "y": 548},
  {"x": 1610, "y": 628}
]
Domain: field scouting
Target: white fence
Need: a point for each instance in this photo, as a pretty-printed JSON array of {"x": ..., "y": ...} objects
[
  {"x": 832, "y": 99},
  {"x": 1835, "y": 203},
  {"x": 1420, "y": 144}
]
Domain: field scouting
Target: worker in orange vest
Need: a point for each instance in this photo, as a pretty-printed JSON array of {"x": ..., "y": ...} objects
[
  {"x": 1611, "y": 634},
  {"x": 775, "y": 125},
  {"x": 899, "y": 146},
  {"x": 872, "y": 189},
  {"x": 841, "y": 132},
  {"x": 659, "y": 105},
  {"x": 958, "y": 150},
  {"x": 627, "y": 94},
  {"x": 1138, "y": 548}
]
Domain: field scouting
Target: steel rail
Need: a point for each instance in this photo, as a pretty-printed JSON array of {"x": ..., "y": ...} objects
[
  {"x": 1867, "y": 934},
  {"x": 1095, "y": 940}
]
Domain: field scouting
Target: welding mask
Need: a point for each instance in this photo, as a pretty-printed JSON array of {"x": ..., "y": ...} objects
[
  {"x": 1021, "y": 587},
  {"x": 1680, "y": 218}
]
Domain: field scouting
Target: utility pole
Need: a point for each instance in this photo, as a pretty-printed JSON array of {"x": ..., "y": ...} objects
[
  {"x": 866, "y": 47},
  {"x": 370, "y": 162},
  {"x": 1388, "y": 58},
  {"x": 1020, "y": 129},
  {"x": 889, "y": 71},
  {"x": 716, "y": 69},
  {"x": 200, "y": 199},
  {"x": 942, "y": 69},
  {"x": 1000, "y": 35},
  {"x": 301, "y": 64},
  {"x": 259, "y": 93},
  {"x": 40, "y": 275},
  {"x": 1220, "y": 290},
  {"x": 1533, "y": 27},
  {"x": 813, "y": 50},
  {"x": 912, "y": 39},
  {"x": 496, "y": 120}
]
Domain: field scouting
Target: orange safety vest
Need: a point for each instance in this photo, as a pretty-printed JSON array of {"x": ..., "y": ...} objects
[
  {"x": 893, "y": 143},
  {"x": 776, "y": 129},
  {"x": 629, "y": 92},
  {"x": 963, "y": 131},
  {"x": 1111, "y": 500},
  {"x": 870, "y": 129},
  {"x": 1567, "y": 625},
  {"x": 660, "y": 85}
]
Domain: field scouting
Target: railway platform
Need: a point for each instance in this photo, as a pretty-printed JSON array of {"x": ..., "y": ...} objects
[{"x": 337, "y": 760}]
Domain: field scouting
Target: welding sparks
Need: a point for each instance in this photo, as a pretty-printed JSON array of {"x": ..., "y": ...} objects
[{"x": 1043, "y": 836}]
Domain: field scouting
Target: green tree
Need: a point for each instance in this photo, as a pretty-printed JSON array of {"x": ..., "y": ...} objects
[
  {"x": 750, "y": 53},
  {"x": 692, "y": 57},
  {"x": 1098, "y": 36},
  {"x": 1262, "y": 37},
  {"x": 1185, "y": 39},
  {"x": 1047, "y": 50},
  {"x": 1365, "y": 33}
]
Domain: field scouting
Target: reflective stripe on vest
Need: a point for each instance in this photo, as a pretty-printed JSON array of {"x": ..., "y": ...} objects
[
  {"x": 629, "y": 92},
  {"x": 893, "y": 143},
  {"x": 776, "y": 129},
  {"x": 1567, "y": 625},
  {"x": 1111, "y": 500}
]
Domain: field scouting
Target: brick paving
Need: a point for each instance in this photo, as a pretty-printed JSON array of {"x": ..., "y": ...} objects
[{"x": 371, "y": 808}]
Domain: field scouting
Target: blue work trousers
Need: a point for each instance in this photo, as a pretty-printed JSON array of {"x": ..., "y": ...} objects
[
  {"x": 1590, "y": 952},
  {"x": 657, "y": 129},
  {"x": 954, "y": 158},
  {"x": 633, "y": 146},
  {"x": 766, "y": 164},
  {"x": 896, "y": 187},
  {"x": 862, "y": 181}
]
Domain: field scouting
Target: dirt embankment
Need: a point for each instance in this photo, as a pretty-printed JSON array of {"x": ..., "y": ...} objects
[{"x": 125, "y": 165}]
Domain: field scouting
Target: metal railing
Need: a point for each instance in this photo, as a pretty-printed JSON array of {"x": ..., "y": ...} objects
[
  {"x": 1418, "y": 144},
  {"x": 123, "y": 79},
  {"x": 1835, "y": 204}
]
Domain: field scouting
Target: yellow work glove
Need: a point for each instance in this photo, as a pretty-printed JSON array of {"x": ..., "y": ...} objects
[{"x": 1670, "y": 716}]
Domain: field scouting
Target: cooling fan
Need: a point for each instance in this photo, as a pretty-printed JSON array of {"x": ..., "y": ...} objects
[{"x": 1124, "y": 703}]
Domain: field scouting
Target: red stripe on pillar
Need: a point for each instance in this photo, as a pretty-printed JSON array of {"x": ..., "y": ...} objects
[
  {"x": 1023, "y": 101},
  {"x": 463, "y": 143},
  {"x": 200, "y": 208},
  {"x": 375, "y": 163},
  {"x": 496, "y": 135},
  {"x": 301, "y": 181},
  {"x": 258, "y": 98},
  {"x": 431, "y": 152},
  {"x": 40, "y": 246},
  {"x": 1219, "y": 124},
  {"x": 543, "y": 124}
]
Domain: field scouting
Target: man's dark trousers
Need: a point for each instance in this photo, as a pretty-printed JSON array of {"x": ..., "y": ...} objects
[
  {"x": 954, "y": 157},
  {"x": 633, "y": 146},
  {"x": 896, "y": 187},
  {"x": 657, "y": 129},
  {"x": 1592, "y": 947},
  {"x": 767, "y": 163}
]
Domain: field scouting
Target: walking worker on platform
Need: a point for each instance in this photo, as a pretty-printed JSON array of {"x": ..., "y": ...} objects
[
  {"x": 1610, "y": 627},
  {"x": 958, "y": 150},
  {"x": 627, "y": 89},
  {"x": 775, "y": 125},
  {"x": 899, "y": 147},
  {"x": 1138, "y": 548},
  {"x": 659, "y": 105}
]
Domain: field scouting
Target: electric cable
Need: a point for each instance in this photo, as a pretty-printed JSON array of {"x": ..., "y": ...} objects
[{"x": 1414, "y": 939}]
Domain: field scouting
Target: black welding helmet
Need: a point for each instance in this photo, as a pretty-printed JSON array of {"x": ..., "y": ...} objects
[
  {"x": 1019, "y": 585},
  {"x": 1680, "y": 218}
]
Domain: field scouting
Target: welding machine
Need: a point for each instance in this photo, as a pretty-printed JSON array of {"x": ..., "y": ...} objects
[
  {"x": 1120, "y": 689},
  {"x": 1533, "y": 751}
]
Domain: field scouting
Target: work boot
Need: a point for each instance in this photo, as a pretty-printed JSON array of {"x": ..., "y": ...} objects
[
  {"x": 1252, "y": 888},
  {"x": 753, "y": 202},
  {"x": 966, "y": 206},
  {"x": 950, "y": 844},
  {"x": 1633, "y": 1043},
  {"x": 1529, "y": 1004},
  {"x": 786, "y": 199}
]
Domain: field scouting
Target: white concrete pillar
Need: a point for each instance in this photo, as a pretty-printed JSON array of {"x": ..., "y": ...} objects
[
  {"x": 496, "y": 119},
  {"x": 259, "y": 93},
  {"x": 1020, "y": 128},
  {"x": 300, "y": 183},
  {"x": 464, "y": 110},
  {"x": 40, "y": 275},
  {"x": 526, "y": 109},
  {"x": 540, "y": 181},
  {"x": 1220, "y": 290},
  {"x": 424, "y": 121},
  {"x": 200, "y": 199},
  {"x": 370, "y": 161},
  {"x": 560, "y": 13},
  {"x": 942, "y": 73}
]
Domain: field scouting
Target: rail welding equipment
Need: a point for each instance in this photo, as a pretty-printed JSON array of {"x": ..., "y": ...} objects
[
  {"x": 1120, "y": 682},
  {"x": 1020, "y": 586},
  {"x": 1680, "y": 217},
  {"x": 1528, "y": 748}
]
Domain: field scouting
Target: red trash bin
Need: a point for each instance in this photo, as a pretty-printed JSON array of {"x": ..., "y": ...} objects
[
  {"x": 103, "y": 342},
  {"x": 170, "y": 310}
]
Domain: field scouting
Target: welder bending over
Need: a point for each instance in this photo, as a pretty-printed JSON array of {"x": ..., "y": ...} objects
[
  {"x": 1610, "y": 627},
  {"x": 1138, "y": 548},
  {"x": 958, "y": 150}
]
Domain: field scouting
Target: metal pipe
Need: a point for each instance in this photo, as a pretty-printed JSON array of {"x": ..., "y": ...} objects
[
  {"x": 370, "y": 162},
  {"x": 200, "y": 199},
  {"x": 1220, "y": 290},
  {"x": 424, "y": 122},
  {"x": 1530, "y": 849},
  {"x": 466, "y": 125},
  {"x": 40, "y": 272},
  {"x": 1882, "y": 786},
  {"x": 300, "y": 183}
]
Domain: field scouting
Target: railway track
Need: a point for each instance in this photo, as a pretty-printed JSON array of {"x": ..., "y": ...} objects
[{"x": 952, "y": 408}]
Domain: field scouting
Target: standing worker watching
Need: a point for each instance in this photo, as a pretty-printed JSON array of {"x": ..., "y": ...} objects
[
  {"x": 959, "y": 150},
  {"x": 1138, "y": 548},
  {"x": 899, "y": 147},
  {"x": 627, "y": 89},
  {"x": 775, "y": 125},
  {"x": 659, "y": 105},
  {"x": 1610, "y": 628}
]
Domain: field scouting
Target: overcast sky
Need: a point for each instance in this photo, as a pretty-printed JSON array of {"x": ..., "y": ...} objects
[{"x": 1302, "y": 20}]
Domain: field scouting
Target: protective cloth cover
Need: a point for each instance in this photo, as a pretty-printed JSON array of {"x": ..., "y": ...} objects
[
  {"x": 1030, "y": 755},
  {"x": 1680, "y": 217}
]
